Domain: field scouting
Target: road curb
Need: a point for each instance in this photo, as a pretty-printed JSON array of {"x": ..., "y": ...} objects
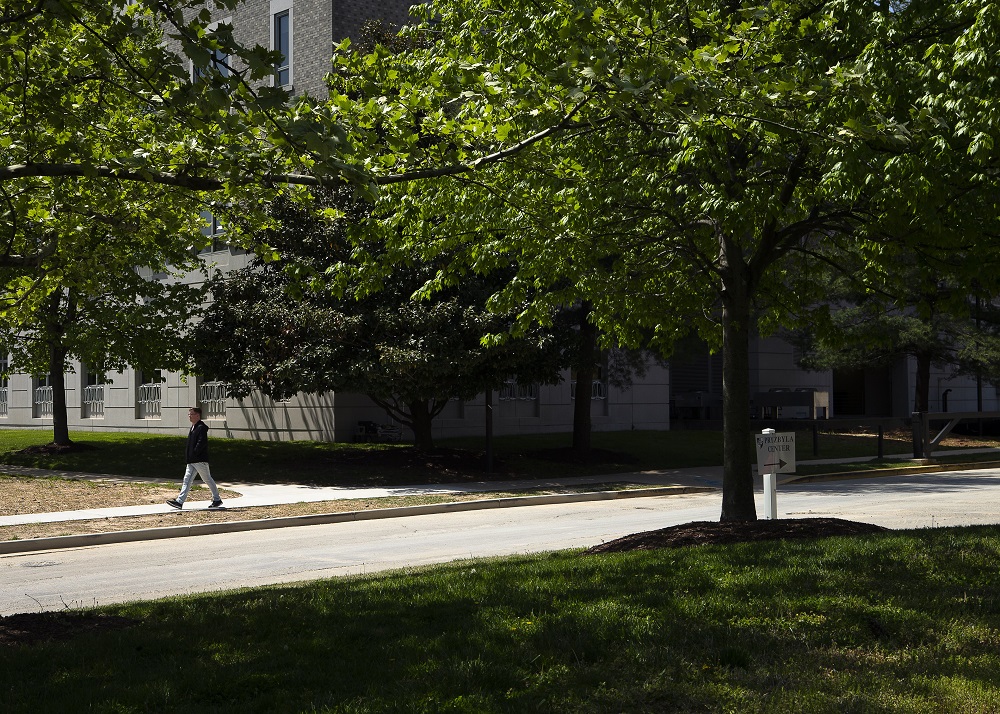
[{"x": 29, "y": 545}]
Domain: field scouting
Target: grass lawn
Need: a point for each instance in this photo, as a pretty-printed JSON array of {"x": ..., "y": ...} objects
[
  {"x": 525, "y": 456},
  {"x": 905, "y": 622}
]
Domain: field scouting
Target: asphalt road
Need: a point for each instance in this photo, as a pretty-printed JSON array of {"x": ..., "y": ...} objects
[{"x": 82, "y": 577}]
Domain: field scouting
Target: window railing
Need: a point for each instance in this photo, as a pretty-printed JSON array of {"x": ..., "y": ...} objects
[
  {"x": 512, "y": 391},
  {"x": 4, "y": 413},
  {"x": 213, "y": 396},
  {"x": 93, "y": 401},
  {"x": 149, "y": 401},
  {"x": 43, "y": 402},
  {"x": 598, "y": 390}
]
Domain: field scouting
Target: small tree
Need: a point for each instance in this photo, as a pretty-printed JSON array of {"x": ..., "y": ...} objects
[{"x": 293, "y": 326}]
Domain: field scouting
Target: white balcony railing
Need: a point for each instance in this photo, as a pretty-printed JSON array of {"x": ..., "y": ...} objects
[
  {"x": 149, "y": 401},
  {"x": 43, "y": 402},
  {"x": 512, "y": 391},
  {"x": 213, "y": 396},
  {"x": 598, "y": 390},
  {"x": 93, "y": 401}
]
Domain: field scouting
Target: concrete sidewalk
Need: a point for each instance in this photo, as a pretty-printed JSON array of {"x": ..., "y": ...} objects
[
  {"x": 277, "y": 494},
  {"x": 656, "y": 483}
]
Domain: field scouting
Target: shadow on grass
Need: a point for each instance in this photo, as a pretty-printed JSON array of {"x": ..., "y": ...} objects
[{"x": 903, "y": 621}]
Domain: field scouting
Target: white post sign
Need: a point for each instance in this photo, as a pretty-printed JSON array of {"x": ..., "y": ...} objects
[{"x": 775, "y": 454}]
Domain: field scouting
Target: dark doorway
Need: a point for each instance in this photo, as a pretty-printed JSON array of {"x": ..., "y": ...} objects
[{"x": 862, "y": 392}]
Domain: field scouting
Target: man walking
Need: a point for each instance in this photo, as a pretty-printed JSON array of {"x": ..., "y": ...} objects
[{"x": 197, "y": 461}]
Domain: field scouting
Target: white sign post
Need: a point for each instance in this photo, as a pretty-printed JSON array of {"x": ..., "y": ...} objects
[{"x": 775, "y": 455}]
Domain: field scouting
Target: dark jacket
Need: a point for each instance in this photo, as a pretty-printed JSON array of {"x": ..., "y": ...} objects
[{"x": 197, "y": 445}]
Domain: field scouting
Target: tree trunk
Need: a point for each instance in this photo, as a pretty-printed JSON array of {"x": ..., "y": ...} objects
[
  {"x": 737, "y": 476},
  {"x": 55, "y": 329},
  {"x": 585, "y": 371},
  {"x": 922, "y": 388},
  {"x": 57, "y": 377},
  {"x": 420, "y": 422}
]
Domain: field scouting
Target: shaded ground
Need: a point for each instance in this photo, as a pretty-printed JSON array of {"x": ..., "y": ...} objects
[
  {"x": 54, "y": 449},
  {"x": 447, "y": 465},
  {"x": 436, "y": 466},
  {"x": 715, "y": 532},
  {"x": 31, "y": 628}
]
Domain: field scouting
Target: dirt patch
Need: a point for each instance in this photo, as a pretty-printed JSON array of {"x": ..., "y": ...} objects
[
  {"x": 34, "y": 627},
  {"x": 194, "y": 514},
  {"x": 21, "y": 495},
  {"x": 724, "y": 532}
]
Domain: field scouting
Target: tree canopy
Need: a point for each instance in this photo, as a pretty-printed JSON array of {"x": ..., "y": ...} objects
[
  {"x": 112, "y": 148},
  {"x": 666, "y": 162},
  {"x": 288, "y": 329}
]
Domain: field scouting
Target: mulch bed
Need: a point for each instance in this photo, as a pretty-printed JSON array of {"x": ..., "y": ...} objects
[{"x": 723, "y": 532}]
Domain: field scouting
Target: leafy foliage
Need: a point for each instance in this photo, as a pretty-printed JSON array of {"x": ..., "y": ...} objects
[
  {"x": 285, "y": 329},
  {"x": 111, "y": 149},
  {"x": 668, "y": 162}
]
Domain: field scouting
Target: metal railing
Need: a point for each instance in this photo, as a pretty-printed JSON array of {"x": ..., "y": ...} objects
[
  {"x": 924, "y": 444},
  {"x": 598, "y": 390},
  {"x": 213, "y": 396},
  {"x": 149, "y": 401},
  {"x": 512, "y": 391},
  {"x": 93, "y": 401},
  {"x": 44, "y": 397}
]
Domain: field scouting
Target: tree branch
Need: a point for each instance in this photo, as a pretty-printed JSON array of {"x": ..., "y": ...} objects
[
  {"x": 493, "y": 158},
  {"x": 30, "y": 261},
  {"x": 165, "y": 178}
]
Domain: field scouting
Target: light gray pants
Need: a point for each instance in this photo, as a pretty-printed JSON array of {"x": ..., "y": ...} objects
[{"x": 200, "y": 469}]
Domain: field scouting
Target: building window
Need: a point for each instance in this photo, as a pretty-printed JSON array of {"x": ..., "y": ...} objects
[
  {"x": 149, "y": 395},
  {"x": 219, "y": 60},
  {"x": 42, "y": 397},
  {"x": 281, "y": 42},
  {"x": 212, "y": 396},
  {"x": 214, "y": 230},
  {"x": 4, "y": 388},
  {"x": 93, "y": 395}
]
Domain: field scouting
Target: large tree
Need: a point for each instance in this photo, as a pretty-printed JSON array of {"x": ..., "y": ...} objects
[
  {"x": 99, "y": 104},
  {"x": 110, "y": 150},
  {"x": 663, "y": 161}
]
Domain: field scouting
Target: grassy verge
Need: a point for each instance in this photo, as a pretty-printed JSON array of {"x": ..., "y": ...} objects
[
  {"x": 889, "y": 465},
  {"x": 321, "y": 463},
  {"x": 899, "y": 622}
]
